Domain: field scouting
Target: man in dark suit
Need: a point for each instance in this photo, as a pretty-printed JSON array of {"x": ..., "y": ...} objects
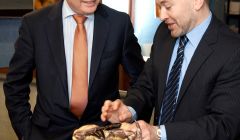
[
  {"x": 45, "y": 44},
  {"x": 206, "y": 97}
]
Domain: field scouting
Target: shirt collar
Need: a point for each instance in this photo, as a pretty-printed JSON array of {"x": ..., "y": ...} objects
[
  {"x": 67, "y": 11},
  {"x": 196, "y": 34}
]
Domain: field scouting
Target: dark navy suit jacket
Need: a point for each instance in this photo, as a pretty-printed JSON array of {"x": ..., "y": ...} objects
[{"x": 209, "y": 98}]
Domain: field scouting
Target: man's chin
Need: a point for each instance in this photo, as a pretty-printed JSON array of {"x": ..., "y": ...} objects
[
  {"x": 89, "y": 11},
  {"x": 175, "y": 34}
]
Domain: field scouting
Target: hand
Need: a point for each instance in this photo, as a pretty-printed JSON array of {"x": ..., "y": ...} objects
[
  {"x": 115, "y": 112},
  {"x": 149, "y": 132}
]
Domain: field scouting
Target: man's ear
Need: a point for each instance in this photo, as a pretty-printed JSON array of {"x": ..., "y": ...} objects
[{"x": 198, "y": 4}]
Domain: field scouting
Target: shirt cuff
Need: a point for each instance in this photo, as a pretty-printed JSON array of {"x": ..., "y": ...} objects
[
  {"x": 163, "y": 134},
  {"x": 133, "y": 112}
]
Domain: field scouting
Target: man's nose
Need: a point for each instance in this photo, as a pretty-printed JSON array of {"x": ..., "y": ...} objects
[{"x": 163, "y": 14}]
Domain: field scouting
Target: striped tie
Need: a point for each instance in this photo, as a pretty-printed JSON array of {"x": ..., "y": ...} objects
[{"x": 171, "y": 90}]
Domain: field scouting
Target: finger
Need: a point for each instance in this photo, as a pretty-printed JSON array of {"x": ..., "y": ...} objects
[
  {"x": 106, "y": 108},
  {"x": 147, "y": 133},
  {"x": 116, "y": 104},
  {"x": 134, "y": 128},
  {"x": 104, "y": 116},
  {"x": 107, "y": 104}
]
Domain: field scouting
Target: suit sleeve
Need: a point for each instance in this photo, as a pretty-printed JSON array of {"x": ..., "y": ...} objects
[
  {"x": 132, "y": 60},
  {"x": 16, "y": 86},
  {"x": 223, "y": 120},
  {"x": 141, "y": 95}
]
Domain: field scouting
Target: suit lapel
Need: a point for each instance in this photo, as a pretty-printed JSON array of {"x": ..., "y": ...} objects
[
  {"x": 54, "y": 31},
  {"x": 202, "y": 53},
  {"x": 165, "y": 57},
  {"x": 162, "y": 53},
  {"x": 101, "y": 29}
]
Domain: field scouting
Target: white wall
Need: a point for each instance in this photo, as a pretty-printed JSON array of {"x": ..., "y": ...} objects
[{"x": 145, "y": 23}]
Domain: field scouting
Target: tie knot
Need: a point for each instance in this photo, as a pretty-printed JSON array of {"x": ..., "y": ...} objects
[
  {"x": 79, "y": 18},
  {"x": 183, "y": 40}
]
